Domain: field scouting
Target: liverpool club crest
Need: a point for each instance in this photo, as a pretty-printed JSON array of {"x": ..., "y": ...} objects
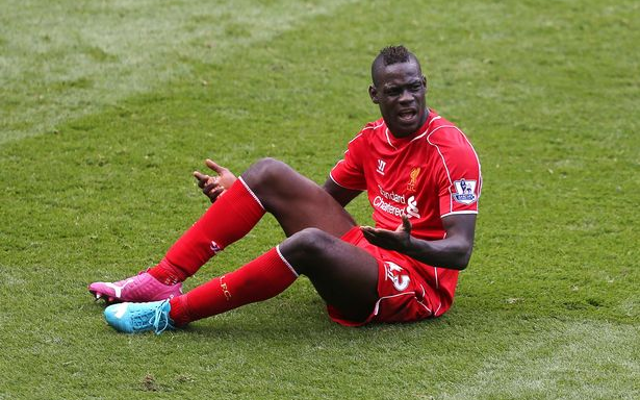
[{"x": 413, "y": 178}]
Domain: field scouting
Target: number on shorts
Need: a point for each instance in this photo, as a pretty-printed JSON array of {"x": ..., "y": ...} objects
[{"x": 394, "y": 272}]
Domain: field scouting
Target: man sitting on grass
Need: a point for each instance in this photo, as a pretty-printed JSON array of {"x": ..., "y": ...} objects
[{"x": 422, "y": 178}]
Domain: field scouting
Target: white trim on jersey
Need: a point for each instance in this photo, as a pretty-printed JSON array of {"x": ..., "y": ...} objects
[
  {"x": 342, "y": 186},
  {"x": 444, "y": 162},
  {"x": 357, "y": 136},
  {"x": 434, "y": 119},
  {"x": 439, "y": 298},
  {"x": 284, "y": 260},
  {"x": 386, "y": 132},
  {"x": 251, "y": 192},
  {"x": 376, "y": 309},
  {"x": 424, "y": 294},
  {"x": 478, "y": 189},
  {"x": 374, "y": 126},
  {"x": 426, "y": 131},
  {"x": 425, "y": 306},
  {"x": 458, "y": 212},
  {"x": 438, "y": 309}
]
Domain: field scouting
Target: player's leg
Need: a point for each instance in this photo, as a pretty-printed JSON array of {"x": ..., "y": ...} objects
[
  {"x": 260, "y": 279},
  {"x": 228, "y": 219},
  {"x": 267, "y": 186},
  {"x": 344, "y": 276},
  {"x": 294, "y": 200},
  {"x": 270, "y": 185}
]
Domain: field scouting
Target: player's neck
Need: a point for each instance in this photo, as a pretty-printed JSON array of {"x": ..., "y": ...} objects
[{"x": 423, "y": 121}]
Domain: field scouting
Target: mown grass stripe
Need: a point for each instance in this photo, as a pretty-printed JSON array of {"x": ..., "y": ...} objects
[{"x": 66, "y": 59}]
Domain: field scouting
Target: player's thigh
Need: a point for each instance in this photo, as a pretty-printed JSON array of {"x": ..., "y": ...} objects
[
  {"x": 296, "y": 201},
  {"x": 344, "y": 275}
]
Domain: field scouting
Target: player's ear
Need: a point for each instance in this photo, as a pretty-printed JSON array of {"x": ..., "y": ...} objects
[
  {"x": 373, "y": 93},
  {"x": 424, "y": 82}
]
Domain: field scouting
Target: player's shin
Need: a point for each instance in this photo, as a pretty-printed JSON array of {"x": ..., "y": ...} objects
[
  {"x": 261, "y": 279},
  {"x": 227, "y": 220}
]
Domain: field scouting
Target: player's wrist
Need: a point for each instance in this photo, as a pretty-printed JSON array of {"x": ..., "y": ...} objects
[
  {"x": 405, "y": 245},
  {"x": 413, "y": 247}
]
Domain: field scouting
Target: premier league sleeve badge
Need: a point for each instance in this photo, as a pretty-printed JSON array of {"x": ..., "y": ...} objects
[{"x": 465, "y": 191}]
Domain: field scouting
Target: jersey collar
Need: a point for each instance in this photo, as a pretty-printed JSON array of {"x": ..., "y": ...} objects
[{"x": 396, "y": 142}]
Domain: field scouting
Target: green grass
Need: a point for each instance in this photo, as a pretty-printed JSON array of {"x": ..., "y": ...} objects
[{"x": 107, "y": 107}]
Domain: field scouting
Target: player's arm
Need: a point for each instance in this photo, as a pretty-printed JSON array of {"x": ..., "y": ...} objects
[
  {"x": 342, "y": 195},
  {"x": 214, "y": 186},
  {"x": 453, "y": 252}
]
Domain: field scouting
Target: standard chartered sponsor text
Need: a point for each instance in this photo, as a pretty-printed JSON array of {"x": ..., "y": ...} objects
[{"x": 398, "y": 198}]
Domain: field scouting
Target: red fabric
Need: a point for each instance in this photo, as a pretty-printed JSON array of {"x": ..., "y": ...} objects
[
  {"x": 261, "y": 279},
  {"x": 227, "y": 220},
  {"x": 167, "y": 273},
  {"x": 404, "y": 295},
  {"x": 430, "y": 174}
]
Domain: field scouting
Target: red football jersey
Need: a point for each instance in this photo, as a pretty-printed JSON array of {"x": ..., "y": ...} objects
[{"x": 428, "y": 175}]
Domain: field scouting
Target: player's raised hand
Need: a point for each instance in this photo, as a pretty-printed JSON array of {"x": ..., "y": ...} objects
[
  {"x": 398, "y": 240},
  {"x": 214, "y": 186}
]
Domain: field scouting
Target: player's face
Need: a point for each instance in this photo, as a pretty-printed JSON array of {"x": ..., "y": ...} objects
[{"x": 400, "y": 93}]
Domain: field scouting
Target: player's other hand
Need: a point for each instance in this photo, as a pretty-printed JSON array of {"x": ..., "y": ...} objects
[
  {"x": 398, "y": 240},
  {"x": 214, "y": 186}
]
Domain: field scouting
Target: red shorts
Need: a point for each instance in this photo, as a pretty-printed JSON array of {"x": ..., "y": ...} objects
[{"x": 402, "y": 292}]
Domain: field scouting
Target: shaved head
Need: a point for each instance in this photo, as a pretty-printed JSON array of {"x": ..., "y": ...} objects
[{"x": 388, "y": 56}]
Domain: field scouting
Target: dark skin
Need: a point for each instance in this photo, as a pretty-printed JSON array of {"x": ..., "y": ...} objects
[
  {"x": 400, "y": 92},
  {"x": 345, "y": 276},
  {"x": 314, "y": 217}
]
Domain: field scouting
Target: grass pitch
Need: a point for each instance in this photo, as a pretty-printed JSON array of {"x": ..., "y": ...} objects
[{"x": 107, "y": 107}]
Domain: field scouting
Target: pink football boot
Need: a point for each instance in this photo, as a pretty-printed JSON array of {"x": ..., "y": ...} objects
[{"x": 140, "y": 288}]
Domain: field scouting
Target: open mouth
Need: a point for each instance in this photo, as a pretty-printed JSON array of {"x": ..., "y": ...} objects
[{"x": 407, "y": 115}]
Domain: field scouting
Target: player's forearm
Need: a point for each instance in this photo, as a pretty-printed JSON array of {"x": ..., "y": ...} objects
[{"x": 447, "y": 253}]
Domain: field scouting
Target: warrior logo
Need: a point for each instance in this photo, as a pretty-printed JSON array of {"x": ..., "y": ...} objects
[
  {"x": 381, "y": 165},
  {"x": 465, "y": 191}
]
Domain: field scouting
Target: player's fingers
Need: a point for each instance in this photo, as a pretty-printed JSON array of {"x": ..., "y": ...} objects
[
  {"x": 209, "y": 186},
  {"x": 371, "y": 238},
  {"x": 368, "y": 232},
  {"x": 212, "y": 165},
  {"x": 215, "y": 193},
  {"x": 406, "y": 223},
  {"x": 202, "y": 178},
  {"x": 367, "y": 229}
]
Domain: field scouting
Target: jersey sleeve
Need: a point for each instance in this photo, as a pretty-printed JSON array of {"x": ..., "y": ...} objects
[
  {"x": 349, "y": 172},
  {"x": 459, "y": 179}
]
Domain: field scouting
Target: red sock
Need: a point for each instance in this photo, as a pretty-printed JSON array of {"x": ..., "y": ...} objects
[
  {"x": 229, "y": 219},
  {"x": 263, "y": 278}
]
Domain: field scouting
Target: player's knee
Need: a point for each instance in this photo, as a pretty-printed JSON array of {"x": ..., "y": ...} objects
[
  {"x": 266, "y": 170},
  {"x": 313, "y": 240},
  {"x": 305, "y": 248}
]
